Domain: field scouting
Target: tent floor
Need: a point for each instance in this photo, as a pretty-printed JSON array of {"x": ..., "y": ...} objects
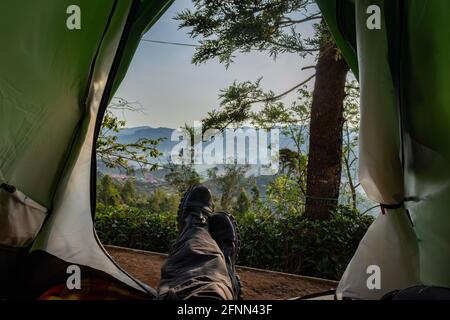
[{"x": 258, "y": 284}]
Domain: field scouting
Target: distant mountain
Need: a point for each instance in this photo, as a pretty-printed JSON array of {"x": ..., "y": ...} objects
[
  {"x": 144, "y": 132},
  {"x": 131, "y": 135}
]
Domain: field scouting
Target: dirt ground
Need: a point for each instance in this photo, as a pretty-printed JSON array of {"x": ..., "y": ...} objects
[{"x": 258, "y": 284}]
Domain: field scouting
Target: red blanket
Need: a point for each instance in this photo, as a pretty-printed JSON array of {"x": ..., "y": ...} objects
[{"x": 93, "y": 289}]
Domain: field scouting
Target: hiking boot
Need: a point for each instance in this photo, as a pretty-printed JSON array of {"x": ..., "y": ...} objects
[
  {"x": 223, "y": 229},
  {"x": 195, "y": 207}
]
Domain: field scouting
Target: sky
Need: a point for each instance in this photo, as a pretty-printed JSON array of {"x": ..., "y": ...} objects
[{"x": 173, "y": 91}]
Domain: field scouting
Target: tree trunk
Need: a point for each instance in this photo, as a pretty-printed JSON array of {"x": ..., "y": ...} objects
[{"x": 325, "y": 136}]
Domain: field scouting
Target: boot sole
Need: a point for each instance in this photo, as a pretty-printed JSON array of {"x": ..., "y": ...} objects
[
  {"x": 240, "y": 295},
  {"x": 181, "y": 207},
  {"x": 237, "y": 243}
]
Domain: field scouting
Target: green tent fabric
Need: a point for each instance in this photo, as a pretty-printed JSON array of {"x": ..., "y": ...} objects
[
  {"x": 55, "y": 84},
  {"x": 404, "y": 73}
]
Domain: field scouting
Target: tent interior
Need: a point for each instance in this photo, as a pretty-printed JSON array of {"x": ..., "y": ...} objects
[
  {"x": 55, "y": 84},
  {"x": 404, "y": 147}
]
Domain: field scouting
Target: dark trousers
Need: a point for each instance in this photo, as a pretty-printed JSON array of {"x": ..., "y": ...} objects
[{"x": 195, "y": 269}]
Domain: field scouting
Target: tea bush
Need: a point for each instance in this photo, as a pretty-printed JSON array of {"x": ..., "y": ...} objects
[
  {"x": 288, "y": 243},
  {"x": 297, "y": 245},
  {"x": 135, "y": 228}
]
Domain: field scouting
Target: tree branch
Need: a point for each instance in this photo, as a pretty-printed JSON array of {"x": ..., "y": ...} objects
[{"x": 286, "y": 92}]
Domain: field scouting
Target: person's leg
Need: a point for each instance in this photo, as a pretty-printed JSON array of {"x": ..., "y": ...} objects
[
  {"x": 197, "y": 267},
  {"x": 224, "y": 230}
]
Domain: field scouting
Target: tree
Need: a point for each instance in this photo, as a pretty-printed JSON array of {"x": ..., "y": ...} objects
[
  {"x": 294, "y": 123},
  {"x": 284, "y": 198},
  {"x": 128, "y": 192},
  {"x": 161, "y": 201},
  {"x": 243, "y": 203},
  {"x": 116, "y": 154},
  {"x": 350, "y": 144},
  {"x": 108, "y": 192},
  {"x": 181, "y": 177},
  {"x": 272, "y": 26},
  {"x": 229, "y": 183},
  {"x": 256, "y": 199},
  {"x": 325, "y": 132}
]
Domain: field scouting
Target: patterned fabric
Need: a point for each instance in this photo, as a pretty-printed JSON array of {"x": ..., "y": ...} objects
[{"x": 92, "y": 289}]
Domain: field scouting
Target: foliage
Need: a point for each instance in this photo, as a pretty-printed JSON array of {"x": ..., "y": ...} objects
[
  {"x": 293, "y": 165},
  {"x": 134, "y": 228},
  {"x": 108, "y": 191},
  {"x": 229, "y": 184},
  {"x": 284, "y": 242},
  {"x": 128, "y": 192},
  {"x": 350, "y": 183},
  {"x": 162, "y": 201},
  {"x": 275, "y": 27},
  {"x": 243, "y": 203},
  {"x": 294, "y": 244},
  {"x": 181, "y": 177},
  {"x": 111, "y": 192},
  {"x": 264, "y": 25},
  {"x": 275, "y": 233},
  {"x": 284, "y": 196},
  {"x": 272, "y": 26},
  {"x": 115, "y": 154}
]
